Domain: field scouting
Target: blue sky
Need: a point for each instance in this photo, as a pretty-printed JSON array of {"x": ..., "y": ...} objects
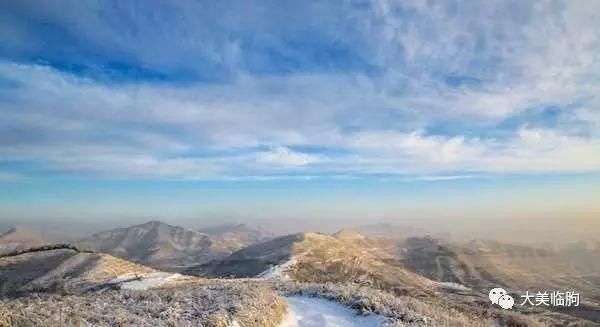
[{"x": 180, "y": 95}]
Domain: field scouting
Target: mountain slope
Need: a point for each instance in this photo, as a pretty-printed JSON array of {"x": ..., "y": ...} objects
[
  {"x": 312, "y": 257},
  {"x": 430, "y": 257},
  {"x": 484, "y": 264},
  {"x": 168, "y": 247},
  {"x": 524, "y": 267},
  {"x": 230, "y": 238},
  {"x": 62, "y": 269},
  {"x": 155, "y": 244},
  {"x": 19, "y": 239}
]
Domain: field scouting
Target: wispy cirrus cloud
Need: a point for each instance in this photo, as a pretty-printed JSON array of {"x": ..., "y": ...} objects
[{"x": 380, "y": 87}]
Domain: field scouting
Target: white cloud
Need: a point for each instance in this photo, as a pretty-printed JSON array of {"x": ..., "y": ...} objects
[
  {"x": 514, "y": 56},
  {"x": 547, "y": 151},
  {"x": 436, "y": 178},
  {"x": 530, "y": 150},
  {"x": 284, "y": 157},
  {"x": 155, "y": 131},
  {"x": 419, "y": 146}
]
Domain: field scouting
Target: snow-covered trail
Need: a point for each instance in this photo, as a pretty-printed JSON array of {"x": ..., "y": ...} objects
[{"x": 306, "y": 311}]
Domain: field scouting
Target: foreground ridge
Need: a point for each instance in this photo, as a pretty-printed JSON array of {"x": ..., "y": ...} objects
[{"x": 49, "y": 247}]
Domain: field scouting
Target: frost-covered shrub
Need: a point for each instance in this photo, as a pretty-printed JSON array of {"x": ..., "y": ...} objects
[{"x": 206, "y": 304}]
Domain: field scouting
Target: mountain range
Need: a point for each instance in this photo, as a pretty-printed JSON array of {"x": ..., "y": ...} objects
[
  {"x": 410, "y": 280},
  {"x": 169, "y": 247}
]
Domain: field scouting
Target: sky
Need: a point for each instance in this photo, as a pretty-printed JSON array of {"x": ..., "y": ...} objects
[{"x": 334, "y": 109}]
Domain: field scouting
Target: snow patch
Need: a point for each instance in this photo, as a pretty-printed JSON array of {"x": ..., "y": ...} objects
[
  {"x": 278, "y": 271},
  {"x": 306, "y": 311},
  {"x": 146, "y": 281},
  {"x": 453, "y": 286}
]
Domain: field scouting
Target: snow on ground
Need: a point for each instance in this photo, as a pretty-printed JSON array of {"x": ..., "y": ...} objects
[
  {"x": 278, "y": 271},
  {"x": 453, "y": 286},
  {"x": 306, "y": 311},
  {"x": 147, "y": 281}
]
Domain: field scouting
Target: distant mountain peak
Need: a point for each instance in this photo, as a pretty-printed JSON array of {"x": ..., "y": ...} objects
[
  {"x": 229, "y": 228},
  {"x": 166, "y": 246},
  {"x": 153, "y": 224}
]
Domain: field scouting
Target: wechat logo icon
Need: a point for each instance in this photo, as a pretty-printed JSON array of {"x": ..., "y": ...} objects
[{"x": 500, "y": 297}]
